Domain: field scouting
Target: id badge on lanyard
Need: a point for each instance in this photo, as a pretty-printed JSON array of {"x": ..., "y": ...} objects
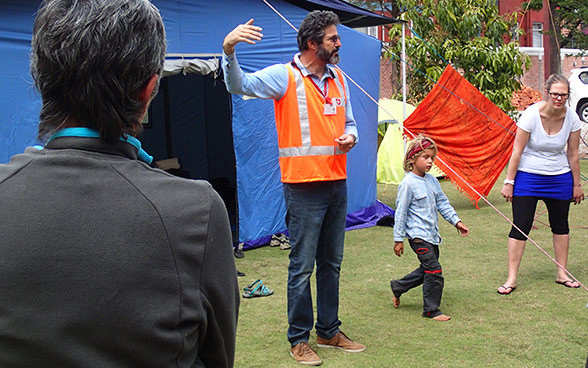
[
  {"x": 331, "y": 105},
  {"x": 330, "y": 108}
]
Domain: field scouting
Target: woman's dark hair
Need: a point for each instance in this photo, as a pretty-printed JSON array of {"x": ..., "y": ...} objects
[
  {"x": 313, "y": 27},
  {"x": 90, "y": 59}
]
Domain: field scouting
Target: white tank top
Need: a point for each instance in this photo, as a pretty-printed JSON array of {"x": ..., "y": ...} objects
[{"x": 545, "y": 154}]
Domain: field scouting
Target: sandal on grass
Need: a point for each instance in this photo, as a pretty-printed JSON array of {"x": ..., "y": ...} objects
[
  {"x": 259, "y": 290},
  {"x": 252, "y": 285},
  {"x": 568, "y": 284},
  {"x": 507, "y": 289}
]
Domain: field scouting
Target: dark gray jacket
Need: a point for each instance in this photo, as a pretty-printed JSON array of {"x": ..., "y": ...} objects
[{"x": 106, "y": 262}]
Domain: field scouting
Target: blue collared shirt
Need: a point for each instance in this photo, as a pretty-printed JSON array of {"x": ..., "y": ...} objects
[
  {"x": 417, "y": 203},
  {"x": 272, "y": 83}
]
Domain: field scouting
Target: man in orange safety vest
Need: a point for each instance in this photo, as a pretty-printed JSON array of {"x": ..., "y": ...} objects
[{"x": 316, "y": 129}]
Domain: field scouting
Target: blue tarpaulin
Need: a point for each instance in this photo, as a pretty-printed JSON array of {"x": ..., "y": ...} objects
[{"x": 196, "y": 29}]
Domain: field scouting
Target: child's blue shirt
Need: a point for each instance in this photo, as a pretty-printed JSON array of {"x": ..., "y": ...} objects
[{"x": 417, "y": 203}]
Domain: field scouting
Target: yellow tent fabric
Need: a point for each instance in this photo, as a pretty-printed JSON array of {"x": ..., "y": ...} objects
[{"x": 391, "y": 150}]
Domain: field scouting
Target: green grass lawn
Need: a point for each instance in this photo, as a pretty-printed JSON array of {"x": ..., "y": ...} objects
[{"x": 541, "y": 324}]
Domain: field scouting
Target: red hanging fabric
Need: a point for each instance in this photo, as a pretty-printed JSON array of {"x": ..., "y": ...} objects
[{"x": 474, "y": 136}]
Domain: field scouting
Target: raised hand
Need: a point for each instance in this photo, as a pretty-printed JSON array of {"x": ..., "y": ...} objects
[{"x": 242, "y": 33}]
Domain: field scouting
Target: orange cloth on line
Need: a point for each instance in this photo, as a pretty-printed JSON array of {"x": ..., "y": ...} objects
[{"x": 474, "y": 136}]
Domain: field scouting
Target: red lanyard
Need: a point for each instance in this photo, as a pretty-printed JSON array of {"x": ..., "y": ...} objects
[{"x": 324, "y": 94}]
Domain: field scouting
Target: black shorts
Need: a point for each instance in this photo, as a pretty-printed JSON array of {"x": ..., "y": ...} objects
[{"x": 523, "y": 213}]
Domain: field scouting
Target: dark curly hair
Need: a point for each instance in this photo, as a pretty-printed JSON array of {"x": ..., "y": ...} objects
[{"x": 313, "y": 27}]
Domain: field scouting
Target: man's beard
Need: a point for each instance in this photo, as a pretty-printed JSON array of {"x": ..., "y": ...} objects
[{"x": 327, "y": 57}]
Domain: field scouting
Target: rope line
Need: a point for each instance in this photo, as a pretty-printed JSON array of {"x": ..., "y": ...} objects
[
  {"x": 524, "y": 13},
  {"x": 345, "y": 74},
  {"x": 512, "y": 223},
  {"x": 451, "y": 92},
  {"x": 435, "y": 51},
  {"x": 280, "y": 15},
  {"x": 453, "y": 171},
  {"x": 553, "y": 25},
  {"x": 404, "y": 61}
]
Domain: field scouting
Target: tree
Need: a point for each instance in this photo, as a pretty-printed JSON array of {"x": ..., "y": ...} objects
[
  {"x": 568, "y": 24},
  {"x": 469, "y": 35},
  {"x": 390, "y": 9},
  {"x": 573, "y": 15},
  {"x": 570, "y": 18}
]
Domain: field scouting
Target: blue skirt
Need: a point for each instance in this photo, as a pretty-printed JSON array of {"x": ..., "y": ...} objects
[{"x": 544, "y": 186}]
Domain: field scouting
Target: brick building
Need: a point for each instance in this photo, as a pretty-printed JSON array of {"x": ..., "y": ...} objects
[{"x": 532, "y": 42}]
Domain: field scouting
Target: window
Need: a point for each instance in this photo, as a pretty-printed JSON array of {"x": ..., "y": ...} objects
[
  {"x": 537, "y": 35},
  {"x": 370, "y": 31}
]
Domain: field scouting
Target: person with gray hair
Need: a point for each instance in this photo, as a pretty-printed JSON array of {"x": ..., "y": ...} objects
[
  {"x": 316, "y": 129},
  {"x": 107, "y": 262}
]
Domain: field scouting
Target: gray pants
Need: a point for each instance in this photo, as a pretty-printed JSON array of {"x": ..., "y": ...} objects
[{"x": 429, "y": 274}]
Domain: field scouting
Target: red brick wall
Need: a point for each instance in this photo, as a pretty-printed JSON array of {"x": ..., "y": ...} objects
[
  {"x": 535, "y": 77},
  {"x": 524, "y": 19},
  {"x": 386, "y": 89}
]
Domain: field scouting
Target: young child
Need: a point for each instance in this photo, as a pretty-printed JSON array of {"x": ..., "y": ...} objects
[{"x": 418, "y": 200}]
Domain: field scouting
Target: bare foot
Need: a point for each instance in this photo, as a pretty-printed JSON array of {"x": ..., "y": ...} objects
[
  {"x": 395, "y": 301},
  {"x": 442, "y": 318}
]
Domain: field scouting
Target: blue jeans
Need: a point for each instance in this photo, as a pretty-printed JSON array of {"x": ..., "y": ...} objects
[{"x": 315, "y": 217}]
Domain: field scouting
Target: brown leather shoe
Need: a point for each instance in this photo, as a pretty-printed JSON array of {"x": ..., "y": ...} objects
[
  {"x": 303, "y": 354},
  {"x": 340, "y": 341}
]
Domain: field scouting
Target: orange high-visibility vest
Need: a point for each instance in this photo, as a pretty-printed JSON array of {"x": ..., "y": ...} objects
[{"x": 306, "y": 136}]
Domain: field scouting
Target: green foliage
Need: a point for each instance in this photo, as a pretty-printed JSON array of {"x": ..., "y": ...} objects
[
  {"x": 469, "y": 34},
  {"x": 532, "y": 5},
  {"x": 571, "y": 17},
  {"x": 574, "y": 17},
  {"x": 387, "y": 7}
]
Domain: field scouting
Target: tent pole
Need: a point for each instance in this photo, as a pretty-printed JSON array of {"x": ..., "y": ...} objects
[
  {"x": 167, "y": 117},
  {"x": 403, "y": 71}
]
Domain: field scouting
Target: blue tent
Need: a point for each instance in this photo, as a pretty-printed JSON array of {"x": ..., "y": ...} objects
[{"x": 201, "y": 114}]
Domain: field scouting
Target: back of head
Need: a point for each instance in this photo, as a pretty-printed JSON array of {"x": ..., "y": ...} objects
[
  {"x": 313, "y": 27},
  {"x": 415, "y": 148},
  {"x": 90, "y": 60}
]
